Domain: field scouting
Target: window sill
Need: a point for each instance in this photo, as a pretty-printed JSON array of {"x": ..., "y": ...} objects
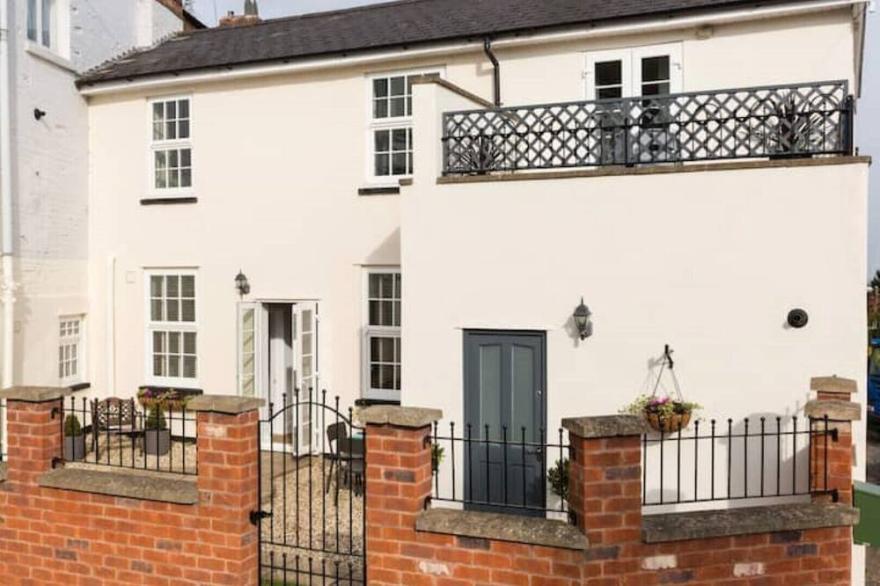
[
  {"x": 79, "y": 387},
  {"x": 379, "y": 190},
  {"x": 49, "y": 56},
  {"x": 162, "y": 201}
]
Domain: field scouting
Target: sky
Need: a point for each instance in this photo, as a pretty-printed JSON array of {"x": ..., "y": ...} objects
[{"x": 868, "y": 125}]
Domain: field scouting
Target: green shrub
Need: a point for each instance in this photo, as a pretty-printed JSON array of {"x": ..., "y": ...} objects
[
  {"x": 72, "y": 427},
  {"x": 558, "y": 477},
  {"x": 156, "y": 418},
  {"x": 437, "y": 455}
]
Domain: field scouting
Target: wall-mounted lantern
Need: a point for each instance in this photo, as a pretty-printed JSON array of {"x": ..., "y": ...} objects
[
  {"x": 241, "y": 283},
  {"x": 582, "y": 320}
]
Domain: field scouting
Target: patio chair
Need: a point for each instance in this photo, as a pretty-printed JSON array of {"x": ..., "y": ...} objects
[
  {"x": 113, "y": 418},
  {"x": 346, "y": 456}
]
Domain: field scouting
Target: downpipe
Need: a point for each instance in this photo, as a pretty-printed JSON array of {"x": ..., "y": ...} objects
[
  {"x": 7, "y": 297},
  {"x": 496, "y": 71}
]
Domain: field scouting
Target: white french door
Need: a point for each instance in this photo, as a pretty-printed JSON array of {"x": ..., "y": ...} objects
[
  {"x": 639, "y": 71},
  {"x": 306, "y": 375}
]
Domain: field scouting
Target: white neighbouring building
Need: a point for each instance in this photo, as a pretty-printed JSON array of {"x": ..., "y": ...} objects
[
  {"x": 685, "y": 167},
  {"x": 46, "y": 44}
]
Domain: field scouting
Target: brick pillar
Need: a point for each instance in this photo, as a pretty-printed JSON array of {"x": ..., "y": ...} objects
[
  {"x": 398, "y": 470},
  {"x": 605, "y": 477},
  {"x": 833, "y": 400},
  {"x": 33, "y": 431},
  {"x": 228, "y": 456}
]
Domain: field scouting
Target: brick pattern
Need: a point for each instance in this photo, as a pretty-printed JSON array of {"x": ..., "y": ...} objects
[
  {"x": 605, "y": 487},
  {"x": 51, "y": 536},
  {"x": 836, "y": 475}
]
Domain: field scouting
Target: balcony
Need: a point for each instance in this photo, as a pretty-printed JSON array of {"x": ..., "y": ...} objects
[{"x": 786, "y": 121}]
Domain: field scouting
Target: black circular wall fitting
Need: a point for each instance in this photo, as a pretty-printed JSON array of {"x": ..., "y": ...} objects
[{"x": 798, "y": 318}]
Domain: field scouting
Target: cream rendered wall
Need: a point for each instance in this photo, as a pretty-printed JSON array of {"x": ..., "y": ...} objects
[{"x": 278, "y": 161}]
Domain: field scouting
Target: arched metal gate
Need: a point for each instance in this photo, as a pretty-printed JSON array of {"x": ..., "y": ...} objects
[{"x": 312, "y": 485}]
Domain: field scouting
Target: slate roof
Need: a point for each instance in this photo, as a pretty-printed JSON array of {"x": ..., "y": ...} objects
[{"x": 399, "y": 24}]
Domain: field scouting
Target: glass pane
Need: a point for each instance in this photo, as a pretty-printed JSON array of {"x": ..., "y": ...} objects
[
  {"x": 156, "y": 310},
  {"x": 186, "y": 178},
  {"x": 188, "y": 310},
  {"x": 522, "y": 387},
  {"x": 161, "y": 181},
  {"x": 381, "y": 139},
  {"x": 398, "y": 164},
  {"x": 186, "y": 157},
  {"x": 172, "y": 310},
  {"x": 155, "y": 286},
  {"x": 609, "y": 73},
  {"x": 183, "y": 108},
  {"x": 183, "y": 129},
  {"x": 382, "y": 376},
  {"x": 399, "y": 139},
  {"x": 189, "y": 343},
  {"x": 170, "y": 130},
  {"x": 172, "y": 159},
  {"x": 48, "y": 9},
  {"x": 380, "y": 108},
  {"x": 158, "y": 111},
  {"x": 160, "y": 160},
  {"x": 381, "y": 313},
  {"x": 158, "y": 363},
  {"x": 189, "y": 367},
  {"x": 655, "y": 89},
  {"x": 158, "y": 131},
  {"x": 158, "y": 342},
  {"x": 490, "y": 391},
  {"x": 173, "y": 178},
  {"x": 655, "y": 68},
  {"x": 380, "y": 87},
  {"x": 609, "y": 93},
  {"x": 171, "y": 110},
  {"x": 174, "y": 366},
  {"x": 383, "y": 165},
  {"x": 398, "y": 86},
  {"x": 32, "y": 20},
  {"x": 174, "y": 342},
  {"x": 386, "y": 286},
  {"x": 172, "y": 286},
  {"x": 398, "y": 106},
  {"x": 381, "y": 349},
  {"x": 396, "y": 319},
  {"x": 61, "y": 361},
  {"x": 188, "y": 286}
]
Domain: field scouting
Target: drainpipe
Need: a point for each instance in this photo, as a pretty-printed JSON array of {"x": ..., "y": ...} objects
[
  {"x": 8, "y": 285},
  {"x": 487, "y": 48}
]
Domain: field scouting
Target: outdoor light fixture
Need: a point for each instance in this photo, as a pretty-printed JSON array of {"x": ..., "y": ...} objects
[
  {"x": 582, "y": 320},
  {"x": 241, "y": 283}
]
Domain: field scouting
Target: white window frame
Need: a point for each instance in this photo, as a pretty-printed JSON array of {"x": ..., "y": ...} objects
[
  {"x": 370, "y": 331},
  {"x": 631, "y": 67},
  {"x": 389, "y": 123},
  {"x": 156, "y": 145},
  {"x": 151, "y": 326},
  {"x": 79, "y": 342},
  {"x": 59, "y": 29}
]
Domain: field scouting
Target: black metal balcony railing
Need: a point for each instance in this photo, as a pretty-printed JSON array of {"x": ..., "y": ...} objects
[{"x": 781, "y": 121}]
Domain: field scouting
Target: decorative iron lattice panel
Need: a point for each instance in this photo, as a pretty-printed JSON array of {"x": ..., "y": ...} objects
[{"x": 782, "y": 121}]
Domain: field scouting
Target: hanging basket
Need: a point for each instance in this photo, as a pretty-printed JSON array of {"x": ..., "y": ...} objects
[{"x": 668, "y": 423}]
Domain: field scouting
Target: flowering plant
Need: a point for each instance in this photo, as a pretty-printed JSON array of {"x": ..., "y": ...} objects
[
  {"x": 662, "y": 406},
  {"x": 168, "y": 398}
]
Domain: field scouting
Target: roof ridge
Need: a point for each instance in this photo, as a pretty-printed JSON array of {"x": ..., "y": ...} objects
[{"x": 308, "y": 15}]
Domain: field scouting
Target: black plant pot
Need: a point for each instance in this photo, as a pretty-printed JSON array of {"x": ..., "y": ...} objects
[
  {"x": 74, "y": 447},
  {"x": 157, "y": 442}
]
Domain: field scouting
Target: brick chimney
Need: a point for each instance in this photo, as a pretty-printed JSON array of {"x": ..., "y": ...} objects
[{"x": 251, "y": 15}]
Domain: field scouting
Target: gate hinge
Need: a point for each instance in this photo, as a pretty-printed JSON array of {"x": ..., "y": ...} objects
[{"x": 257, "y": 516}]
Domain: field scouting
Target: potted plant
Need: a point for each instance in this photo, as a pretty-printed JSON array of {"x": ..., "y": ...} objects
[
  {"x": 74, "y": 439},
  {"x": 558, "y": 478},
  {"x": 157, "y": 436},
  {"x": 663, "y": 414}
]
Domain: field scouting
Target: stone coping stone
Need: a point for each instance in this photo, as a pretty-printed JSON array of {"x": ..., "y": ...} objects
[
  {"x": 227, "y": 404},
  {"x": 835, "y": 410},
  {"x": 501, "y": 527},
  {"x": 123, "y": 483},
  {"x": 600, "y": 426},
  {"x": 833, "y": 384},
  {"x": 34, "y": 394},
  {"x": 411, "y": 417},
  {"x": 746, "y": 521}
]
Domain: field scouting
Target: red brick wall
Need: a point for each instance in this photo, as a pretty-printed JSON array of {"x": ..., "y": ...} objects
[
  {"x": 53, "y": 536},
  {"x": 605, "y": 487}
]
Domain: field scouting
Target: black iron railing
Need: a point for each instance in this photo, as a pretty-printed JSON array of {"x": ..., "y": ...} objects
[
  {"x": 516, "y": 471},
  {"x": 121, "y": 433},
  {"x": 779, "y": 121},
  {"x": 766, "y": 457}
]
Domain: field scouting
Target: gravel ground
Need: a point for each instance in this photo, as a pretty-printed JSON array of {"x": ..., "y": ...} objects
[
  {"x": 181, "y": 457},
  {"x": 317, "y": 535},
  {"x": 873, "y": 475}
]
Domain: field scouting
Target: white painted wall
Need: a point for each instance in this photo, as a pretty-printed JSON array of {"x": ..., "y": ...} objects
[{"x": 51, "y": 159}]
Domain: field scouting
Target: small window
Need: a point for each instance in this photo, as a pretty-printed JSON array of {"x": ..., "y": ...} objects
[
  {"x": 391, "y": 138},
  {"x": 171, "y": 330},
  {"x": 71, "y": 336},
  {"x": 42, "y": 18},
  {"x": 640, "y": 71},
  {"x": 171, "y": 147},
  {"x": 609, "y": 79},
  {"x": 655, "y": 76},
  {"x": 382, "y": 352}
]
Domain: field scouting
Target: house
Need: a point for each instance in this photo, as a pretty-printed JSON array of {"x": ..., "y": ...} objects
[
  {"x": 409, "y": 202},
  {"x": 45, "y": 171}
]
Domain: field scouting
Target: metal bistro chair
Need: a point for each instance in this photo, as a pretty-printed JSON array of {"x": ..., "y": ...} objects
[
  {"x": 346, "y": 455},
  {"x": 115, "y": 418}
]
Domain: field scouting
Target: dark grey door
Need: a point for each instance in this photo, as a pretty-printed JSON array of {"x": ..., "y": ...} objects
[{"x": 504, "y": 410}]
